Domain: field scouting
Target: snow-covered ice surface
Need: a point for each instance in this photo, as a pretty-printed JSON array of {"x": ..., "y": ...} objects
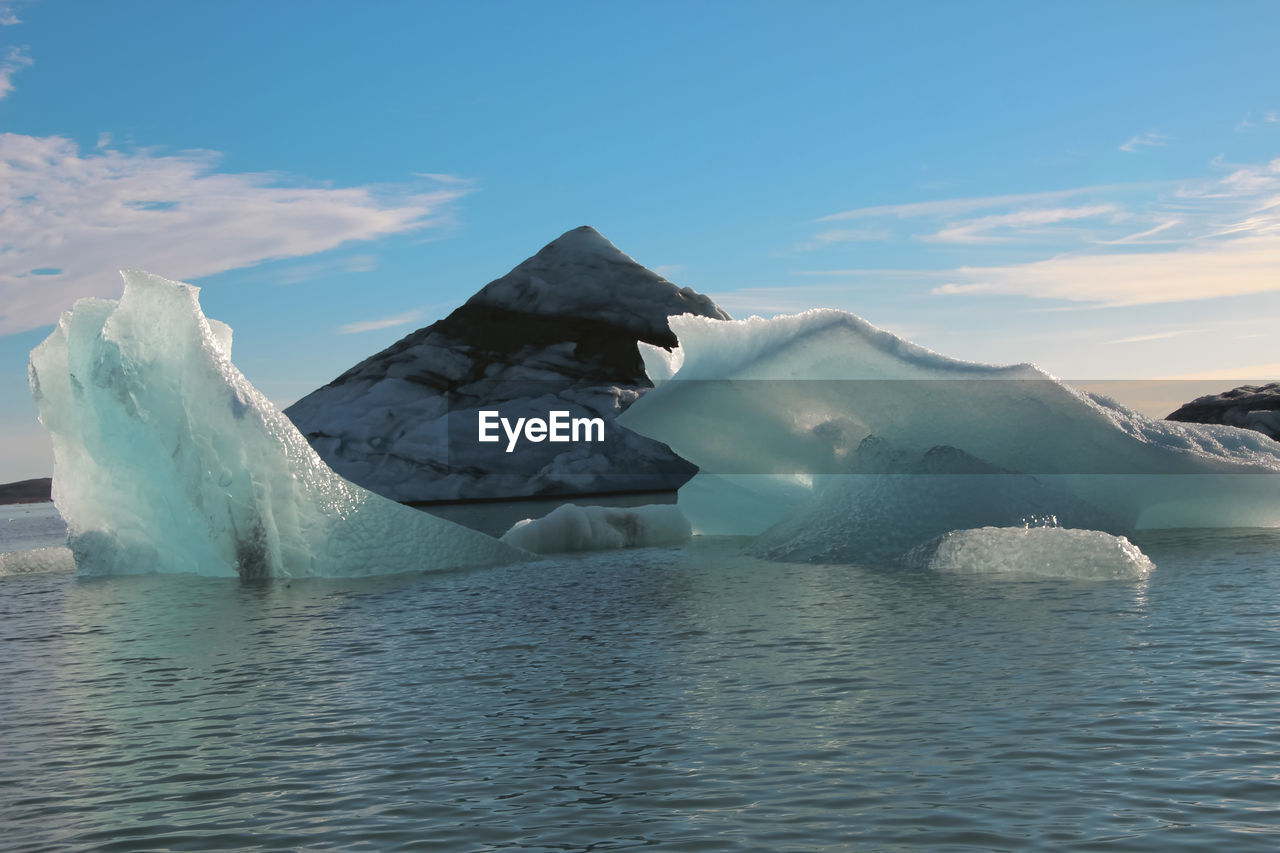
[
  {"x": 1041, "y": 552},
  {"x": 557, "y": 333},
  {"x": 600, "y": 528},
  {"x": 840, "y": 442},
  {"x": 166, "y": 459}
]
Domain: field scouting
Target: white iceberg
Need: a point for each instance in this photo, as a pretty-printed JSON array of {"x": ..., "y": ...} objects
[
  {"x": 843, "y": 441},
  {"x": 166, "y": 459},
  {"x": 600, "y": 528},
  {"x": 1054, "y": 552}
]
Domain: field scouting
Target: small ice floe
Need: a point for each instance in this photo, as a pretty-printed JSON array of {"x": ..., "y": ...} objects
[
  {"x": 599, "y": 528},
  {"x": 37, "y": 561},
  {"x": 1056, "y": 552}
]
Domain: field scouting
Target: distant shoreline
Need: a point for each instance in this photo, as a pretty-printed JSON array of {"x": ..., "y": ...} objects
[{"x": 35, "y": 491}]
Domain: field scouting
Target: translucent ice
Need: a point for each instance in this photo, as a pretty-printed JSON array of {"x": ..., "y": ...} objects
[
  {"x": 598, "y": 528},
  {"x": 166, "y": 459},
  {"x": 843, "y": 441},
  {"x": 1041, "y": 551}
]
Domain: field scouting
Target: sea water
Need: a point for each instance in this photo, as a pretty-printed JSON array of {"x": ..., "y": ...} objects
[{"x": 686, "y": 698}]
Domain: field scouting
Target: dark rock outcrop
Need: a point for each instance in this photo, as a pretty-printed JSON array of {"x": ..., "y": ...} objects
[
  {"x": 1255, "y": 407},
  {"x": 558, "y": 332}
]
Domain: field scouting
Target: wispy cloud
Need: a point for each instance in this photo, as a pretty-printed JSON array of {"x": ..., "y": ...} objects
[
  {"x": 878, "y": 274},
  {"x": 847, "y": 235},
  {"x": 1150, "y": 139},
  {"x": 1232, "y": 268},
  {"x": 382, "y": 323},
  {"x": 1158, "y": 336},
  {"x": 1097, "y": 211},
  {"x": 9, "y": 14},
  {"x": 445, "y": 178},
  {"x": 1269, "y": 117},
  {"x": 1145, "y": 237},
  {"x": 15, "y": 59},
  {"x": 944, "y": 208},
  {"x": 1003, "y": 227},
  {"x": 1121, "y": 244},
  {"x": 300, "y": 273},
  {"x": 79, "y": 217}
]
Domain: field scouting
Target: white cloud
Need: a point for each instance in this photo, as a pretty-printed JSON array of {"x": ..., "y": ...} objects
[
  {"x": 9, "y": 14},
  {"x": 1003, "y": 226},
  {"x": 299, "y": 273},
  {"x": 15, "y": 59},
  {"x": 383, "y": 323},
  {"x": 1007, "y": 218},
  {"x": 878, "y": 274},
  {"x": 1158, "y": 336},
  {"x": 847, "y": 235},
  {"x": 1133, "y": 244},
  {"x": 445, "y": 178},
  {"x": 1243, "y": 181},
  {"x": 1231, "y": 268},
  {"x": 1150, "y": 139},
  {"x": 956, "y": 206},
  {"x": 69, "y": 220},
  {"x": 1144, "y": 237}
]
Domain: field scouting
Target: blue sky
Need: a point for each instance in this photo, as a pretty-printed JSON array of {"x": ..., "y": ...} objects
[{"x": 1094, "y": 187}]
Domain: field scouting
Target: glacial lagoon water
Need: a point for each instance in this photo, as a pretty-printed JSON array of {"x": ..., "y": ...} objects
[{"x": 684, "y": 699}]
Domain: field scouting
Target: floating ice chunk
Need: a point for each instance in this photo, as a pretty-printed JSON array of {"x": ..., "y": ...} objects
[
  {"x": 599, "y": 528},
  {"x": 166, "y": 459},
  {"x": 776, "y": 414},
  {"x": 37, "y": 561},
  {"x": 1056, "y": 552}
]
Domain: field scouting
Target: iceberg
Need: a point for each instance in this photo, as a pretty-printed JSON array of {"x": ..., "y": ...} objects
[
  {"x": 836, "y": 440},
  {"x": 1055, "y": 552},
  {"x": 556, "y": 333},
  {"x": 600, "y": 528},
  {"x": 167, "y": 459}
]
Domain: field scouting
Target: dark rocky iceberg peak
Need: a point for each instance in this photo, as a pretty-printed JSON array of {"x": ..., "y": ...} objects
[
  {"x": 558, "y": 332},
  {"x": 582, "y": 275},
  {"x": 1255, "y": 407}
]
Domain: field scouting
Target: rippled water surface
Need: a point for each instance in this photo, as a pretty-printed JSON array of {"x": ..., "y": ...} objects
[{"x": 684, "y": 699}]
